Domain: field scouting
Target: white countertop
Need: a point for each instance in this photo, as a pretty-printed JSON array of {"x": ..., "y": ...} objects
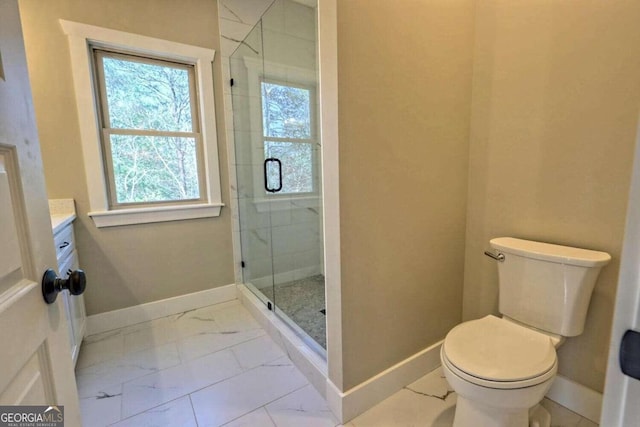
[{"x": 63, "y": 212}]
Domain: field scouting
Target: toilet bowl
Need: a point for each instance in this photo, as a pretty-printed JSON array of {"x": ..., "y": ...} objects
[{"x": 499, "y": 369}]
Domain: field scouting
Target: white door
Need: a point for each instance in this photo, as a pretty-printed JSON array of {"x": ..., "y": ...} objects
[
  {"x": 35, "y": 357},
  {"x": 622, "y": 393}
]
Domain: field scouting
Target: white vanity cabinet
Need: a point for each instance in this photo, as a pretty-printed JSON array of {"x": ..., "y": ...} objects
[{"x": 67, "y": 256}]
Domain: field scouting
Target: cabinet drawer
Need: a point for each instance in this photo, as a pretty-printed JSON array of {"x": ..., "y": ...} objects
[{"x": 63, "y": 241}]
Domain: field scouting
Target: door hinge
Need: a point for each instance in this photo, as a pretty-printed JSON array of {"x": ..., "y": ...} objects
[
  {"x": 231, "y": 82},
  {"x": 242, "y": 264},
  {"x": 269, "y": 306}
]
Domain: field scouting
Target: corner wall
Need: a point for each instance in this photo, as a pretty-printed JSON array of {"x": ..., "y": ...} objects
[
  {"x": 404, "y": 84},
  {"x": 134, "y": 264},
  {"x": 556, "y": 91}
]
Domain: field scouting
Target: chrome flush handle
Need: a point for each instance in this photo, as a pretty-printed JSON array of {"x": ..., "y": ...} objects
[{"x": 498, "y": 257}]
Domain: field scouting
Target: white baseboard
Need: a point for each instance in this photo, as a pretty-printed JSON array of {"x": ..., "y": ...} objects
[
  {"x": 348, "y": 405},
  {"x": 577, "y": 398},
  {"x": 115, "y": 319}
]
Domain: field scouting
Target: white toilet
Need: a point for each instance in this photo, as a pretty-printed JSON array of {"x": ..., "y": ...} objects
[{"x": 501, "y": 368}]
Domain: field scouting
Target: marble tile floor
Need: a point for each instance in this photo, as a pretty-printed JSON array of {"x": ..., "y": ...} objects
[{"x": 216, "y": 366}]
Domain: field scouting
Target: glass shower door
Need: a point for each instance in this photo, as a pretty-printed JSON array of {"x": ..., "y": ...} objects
[
  {"x": 278, "y": 166},
  {"x": 293, "y": 183}
]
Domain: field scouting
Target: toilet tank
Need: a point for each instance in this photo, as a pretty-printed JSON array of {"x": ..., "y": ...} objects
[{"x": 547, "y": 286}]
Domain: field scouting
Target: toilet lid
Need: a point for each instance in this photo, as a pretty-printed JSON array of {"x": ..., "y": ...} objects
[{"x": 498, "y": 350}]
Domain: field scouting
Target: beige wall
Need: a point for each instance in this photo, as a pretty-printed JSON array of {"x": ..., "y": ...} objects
[
  {"x": 140, "y": 263},
  {"x": 556, "y": 91},
  {"x": 404, "y": 76}
]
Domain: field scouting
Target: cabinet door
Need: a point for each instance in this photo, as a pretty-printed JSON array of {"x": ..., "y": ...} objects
[
  {"x": 64, "y": 267},
  {"x": 77, "y": 314},
  {"x": 74, "y": 305}
]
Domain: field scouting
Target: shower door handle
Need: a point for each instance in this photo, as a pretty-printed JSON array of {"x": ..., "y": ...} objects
[{"x": 266, "y": 175}]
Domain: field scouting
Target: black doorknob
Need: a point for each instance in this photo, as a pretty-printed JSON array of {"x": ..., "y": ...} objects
[
  {"x": 52, "y": 284},
  {"x": 630, "y": 354}
]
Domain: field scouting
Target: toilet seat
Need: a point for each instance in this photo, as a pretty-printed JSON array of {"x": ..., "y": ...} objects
[{"x": 495, "y": 353}]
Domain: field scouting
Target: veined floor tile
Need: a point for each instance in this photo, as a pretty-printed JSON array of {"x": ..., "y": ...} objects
[
  {"x": 303, "y": 407},
  {"x": 426, "y": 402},
  {"x": 152, "y": 390},
  {"x": 434, "y": 384},
  {"x": 217, "y": 366},
  {"x": 175, "y": 413},
  {"x": 216, "y": 328},
  {"x": 256, "y": 352},
  {"x": 561, "y": 416},
  {"x": 103, "y": 408},
  {"x": 100, "y": 348},
  {"x": 203, "y": 320},
  {"x": 149, "y": 334},
  {"x": 230, "y": 399},
  {"x": 235, "y": 319},
  {"x": 195, "y": 322},
  {"x": 257, "y": 418},
  {"x": 205, "y": 343},
  {"x": 217, "y": 307},
  {"x": 95, "y": 378}
]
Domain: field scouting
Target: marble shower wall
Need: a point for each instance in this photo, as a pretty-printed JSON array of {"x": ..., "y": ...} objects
[
  {"x": 237, "y": 18},
  {"x": 286, "y": 241}
]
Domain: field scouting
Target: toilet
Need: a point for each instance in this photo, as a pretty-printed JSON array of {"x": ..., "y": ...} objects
[{"x": 502, "y": 367}]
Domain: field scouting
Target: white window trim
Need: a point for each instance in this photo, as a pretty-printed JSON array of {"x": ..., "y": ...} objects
[{"x": 80, "y": 36}]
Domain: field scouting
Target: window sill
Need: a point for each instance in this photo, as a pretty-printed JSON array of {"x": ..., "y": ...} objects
[
  {"x": 286, "y": 203},
  {"x": 155, "y": 214}
]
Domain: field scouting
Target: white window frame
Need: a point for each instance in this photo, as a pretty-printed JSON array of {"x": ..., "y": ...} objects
[
  {"x": 81, "y": 38},
  {"x": 257, "y": 71},
  {"x": 311, "y": 141}
]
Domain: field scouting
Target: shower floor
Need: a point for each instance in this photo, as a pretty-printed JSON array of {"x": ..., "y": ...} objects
[{"x": 303, "y": 301}]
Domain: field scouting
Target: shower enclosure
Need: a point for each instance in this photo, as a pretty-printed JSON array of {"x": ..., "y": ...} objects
[{"x": 277, "y": 144}]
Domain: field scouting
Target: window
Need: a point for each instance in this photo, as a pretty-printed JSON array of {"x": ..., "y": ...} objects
[
  {"x": 151, "y": 141},
  {"x": 289, "y": 137},
  {"x": 147, "y": 126}
]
